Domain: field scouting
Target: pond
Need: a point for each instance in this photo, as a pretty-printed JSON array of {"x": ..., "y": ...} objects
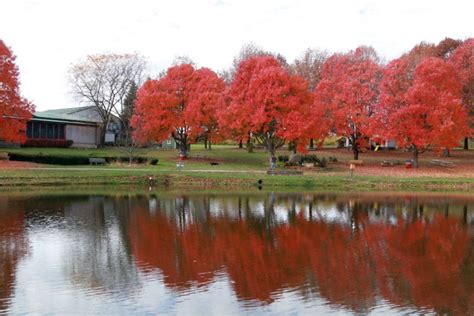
[{"x": 234, "y": 253}]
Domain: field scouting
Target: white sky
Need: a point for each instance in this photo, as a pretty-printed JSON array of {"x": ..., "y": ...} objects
[{"x": 47, "y": 36}]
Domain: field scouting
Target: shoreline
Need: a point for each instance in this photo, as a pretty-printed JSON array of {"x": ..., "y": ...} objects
[{"x": 53, "y": 177}]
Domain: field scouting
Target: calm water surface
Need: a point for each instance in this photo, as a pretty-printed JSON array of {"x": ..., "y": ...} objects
[{"x": 236, "y": 253}]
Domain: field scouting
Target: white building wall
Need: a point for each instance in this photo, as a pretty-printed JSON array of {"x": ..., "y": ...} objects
[{"x": 82, "y": 136}]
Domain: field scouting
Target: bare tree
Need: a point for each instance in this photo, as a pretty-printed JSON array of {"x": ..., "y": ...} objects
[
  {"x": 249, "y": 50},
  {"x": 104, "y": 80},
  {"x": 183, "y": 59},
  {"x": 310, "y": 66}
]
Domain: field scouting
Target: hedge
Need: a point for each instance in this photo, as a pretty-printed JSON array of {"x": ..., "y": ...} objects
[
  {"x": 61, "y": 143},
  {"x": 70, "y": 160},
  {"x": 50, "y": 159}
]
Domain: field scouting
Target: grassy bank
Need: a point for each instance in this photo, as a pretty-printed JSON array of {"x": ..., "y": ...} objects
[
  {"x": 149, "y": 177},
  {"x": 238, "y": 168}
]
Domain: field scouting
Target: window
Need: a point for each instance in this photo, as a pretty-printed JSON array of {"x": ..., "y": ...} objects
[{"x": 35, "y": 129}]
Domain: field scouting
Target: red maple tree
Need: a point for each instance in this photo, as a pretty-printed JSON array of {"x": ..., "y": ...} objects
[
  {"x": 206, "y": 101},
  {"x": 181, "y": 105},
  {"x": 348, "y": 93},
  {"x": 422, "y": 108},
  {"x": 15, "y": 110},
  {"x": 269, "y": 104},
  {"x": 463, "y": 60}
]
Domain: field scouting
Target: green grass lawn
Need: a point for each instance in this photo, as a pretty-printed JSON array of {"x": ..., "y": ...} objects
[
  {"x": 236, "y": 167},
  {"x": 229, "y": 157},
  {"x": 114, "y": 176}
]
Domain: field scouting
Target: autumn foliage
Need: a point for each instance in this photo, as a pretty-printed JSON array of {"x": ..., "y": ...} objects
[
  {"x": 422, "y": 100},
  {"x": 15, "y": 110},
  {"x": 347, "y": 95},
  {"x": 422, "y": 107},
  {"x": 183, "y": 105},
  {"x": 416, "y": 262},
  {"x": 269, "y": 104},
  {"x": 463, "y": 61}
]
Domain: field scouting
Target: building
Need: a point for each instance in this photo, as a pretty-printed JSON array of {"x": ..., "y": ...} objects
[
  {"x": 345, "y": 142},
  {"x": 81, "y": 125}
]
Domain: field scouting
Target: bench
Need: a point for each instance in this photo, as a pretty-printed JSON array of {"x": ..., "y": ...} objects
[
  {"x": 285, "y": 172},
  {"x": 390, "y": 163},
  {"x": 444, "y": 163},
  {"x": 356, "y": 162},
  {"x": 4, "y": 156},
  {"x": 97, "y": 161}
]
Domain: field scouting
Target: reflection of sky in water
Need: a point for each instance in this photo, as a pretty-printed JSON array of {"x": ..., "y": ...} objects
[
  {"x": 43, "y": 288},
  {"x": 79, "y": 258}
]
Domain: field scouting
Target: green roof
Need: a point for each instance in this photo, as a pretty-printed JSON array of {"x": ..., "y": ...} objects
[{"x": 86, "y": 114}]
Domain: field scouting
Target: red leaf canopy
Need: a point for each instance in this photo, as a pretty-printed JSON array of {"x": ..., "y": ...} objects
[
  {"x": 268, "y": 102},
  {"x": 348, "y": 94},
  {"x": 184, "y": 102},
  {"x": 15, "y": 111},
  {"x": 427, "y": 109},
  {"x": 463, "y": 61}
]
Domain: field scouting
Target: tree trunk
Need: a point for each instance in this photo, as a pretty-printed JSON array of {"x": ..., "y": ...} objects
[
  {"x": 355, "y": 146},
  {"x": 355, "y": 150},
  {"x": 209, "y": 145},
  {"x": 129, "y": 145},
  {"x": 466, "y": 143},
  {"x": 464, "y": 214},
  {"x": 311, "y": 143},
  {"x": 205, "y": 144},
  {"x": 241, "y": 144},
  {"x": 182, "y": 146},
  {"x": 272, "y": 157},
  {"x": 416, "y": 153},
  {"x": 103, "y": 131}
]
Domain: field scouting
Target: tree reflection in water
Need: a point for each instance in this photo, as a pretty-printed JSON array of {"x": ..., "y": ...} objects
[
  {"x": 352, "y": 252},
  {"x": 358, "y": 253},
  {"x": 13, "y": 247}
]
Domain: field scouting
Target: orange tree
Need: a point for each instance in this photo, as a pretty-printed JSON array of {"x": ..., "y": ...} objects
[
  {"x": 15, "y": 111},
  {"x": 265, "y": 101},
  {"x": 181, "y": 105}
]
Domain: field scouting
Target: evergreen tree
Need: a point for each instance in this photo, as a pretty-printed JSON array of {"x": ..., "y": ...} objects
[{"x": 127, "y": 111}]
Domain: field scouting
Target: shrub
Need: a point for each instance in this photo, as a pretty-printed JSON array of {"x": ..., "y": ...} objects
[
  {"x": 291, "y": 146},
  {"x": 60, "y": 143},
  {"x": 154, "y": 161},
  {"x": 126, "y": 159},
  {"x": 311, "y": 158},
  {"x": 49, "y": 159},
  {"x": 250, "y": 147},
  {"x": 323, "y": 163},
  {"x": 140, "y": 159},
  {"x": 332, "y": 159},
  {"x": 283, "y": 158}
]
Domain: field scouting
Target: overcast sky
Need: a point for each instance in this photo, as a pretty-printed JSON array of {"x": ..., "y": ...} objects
[{"x": 47, "y": 36}]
